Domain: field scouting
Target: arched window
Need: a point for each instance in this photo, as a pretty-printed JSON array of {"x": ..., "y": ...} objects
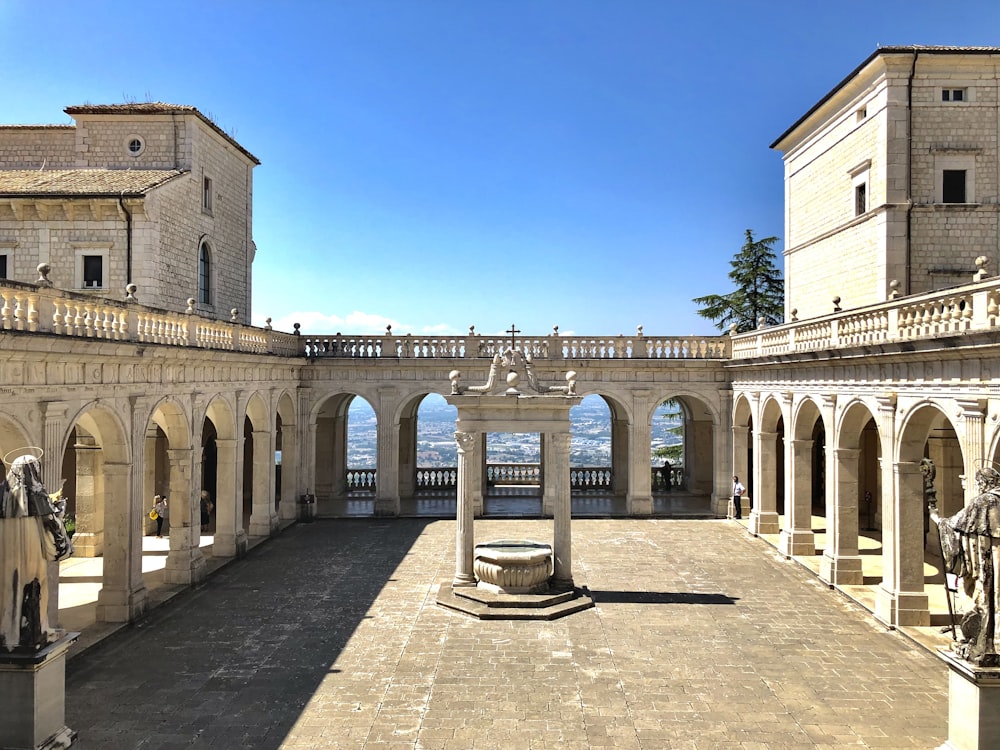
[{"x": 204, "y": 274}]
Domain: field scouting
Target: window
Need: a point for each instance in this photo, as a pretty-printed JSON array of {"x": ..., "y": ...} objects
[
  {"x": 859, "y": 179},
  {"x": 93, "y": 272},
  {"x": 206, "y": 195},
  {"x": 204, "y": 274},
  {"x": 861, "y": 114},
  {"x": 3, "y": 266},
  {"x": 860, "y": 198},
  {"x": 135, "y": 145},
  {"x": 953, "y": 186},
  {"x": 953, "y": 95}
]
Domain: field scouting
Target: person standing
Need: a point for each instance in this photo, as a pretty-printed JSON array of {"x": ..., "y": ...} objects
[
  {"x": 206, "y": 509},
  {"x": 738, "y": 491},
  {"x": 160, "y": 506}
]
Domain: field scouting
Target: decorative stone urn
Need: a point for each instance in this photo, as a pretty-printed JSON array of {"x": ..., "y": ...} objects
[{"x": 513, "y": 566}]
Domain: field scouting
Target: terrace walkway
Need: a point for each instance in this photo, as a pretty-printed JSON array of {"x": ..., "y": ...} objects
[{"x": 328, "y": 637}]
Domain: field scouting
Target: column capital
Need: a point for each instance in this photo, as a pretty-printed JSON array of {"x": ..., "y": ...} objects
[{"x": 466, "y": 441}]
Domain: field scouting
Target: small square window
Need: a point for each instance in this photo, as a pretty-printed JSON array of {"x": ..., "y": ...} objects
[
  {"x": 953, "y": 95},
  {"x": 206, "y": 194},
  {"x": 861, "y": 114},
  {"x": 93, "y": 271},
  {"x": 860, "y": 198},
  {"x": 953, "y": 186}
]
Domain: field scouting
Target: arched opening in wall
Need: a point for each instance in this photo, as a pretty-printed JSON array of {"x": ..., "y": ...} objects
[
  {"x": 817, "y": 484},
  {"x": 209, "y": 473},
  {"x": 258, "y": 513},
  {"x": 807, "y": 471},
  {"x": 743, "y": 439},
  {"x": 249, "y": 456},
  {"x": 428, "y": 453},
  {"x": 513, "y": 474},
  {"x": 695, "y": 470},
  {"x": 286, "y": 458},
  {"x": 345, "y": 455},
  {"x": 869, "y": 490},
  {"x": 595, "y": 459},
  {"x": 278, "y": 435},
  {"x": 779, "y": 458}
]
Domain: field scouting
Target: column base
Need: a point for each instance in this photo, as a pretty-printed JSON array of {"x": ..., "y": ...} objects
[
  {"x": 88, "y": 544},
  {"x": 386, "y": 506},
  {"x": 230, "y": 545},
  {"x": 263, "y": 524},
  {"x": 120, "y": 606},
  {"x": 842, "y": 570},
  {"x": 639, "y": 506},
  {"x": 463, "y": 580},
  {"x": 33, "y": 687},
  {"x": 902, "y": 608},
  {"x": 973, "y": 705},
  {"x": 185, "y": 563},
  {"x": 797, "y": 543},
  {"x": 763, "y": 522}
]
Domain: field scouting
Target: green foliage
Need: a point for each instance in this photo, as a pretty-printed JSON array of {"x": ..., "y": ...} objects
[
  {"x": 673, "y": 453},
  {"x": 760, "y": 290},
  {"x": 69, "y": 522}
]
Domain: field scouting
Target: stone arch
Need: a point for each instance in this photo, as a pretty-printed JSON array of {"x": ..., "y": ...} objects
[
  {"x": 411, "y": 477},
  {"x": 804, "y": 478},
  {"x": 621, "y": 416},
  {"x": 742, "y": 439},
  {"x": 97, "y": 464},
  {"x": 258, "y": 508},
  {"x": 330, "y": 418},
  {"x": 701, "y": 420},
  {"x": 767, "y": 486},
  {"x": 220, "y": 476},
  {"x": 13, "y": 435}
]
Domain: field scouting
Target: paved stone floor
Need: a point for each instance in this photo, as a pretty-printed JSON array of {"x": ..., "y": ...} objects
[{"x": 328, "y": 637}]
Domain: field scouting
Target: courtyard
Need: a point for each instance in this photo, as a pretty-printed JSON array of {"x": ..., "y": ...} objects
[{"x": 328, "y": 636}]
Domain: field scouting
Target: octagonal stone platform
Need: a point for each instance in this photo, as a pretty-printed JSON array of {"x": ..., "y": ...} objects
[{"x": 489, "y": 605}]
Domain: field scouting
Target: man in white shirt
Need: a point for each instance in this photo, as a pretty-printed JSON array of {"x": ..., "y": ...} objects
[{"x": 738, "y": 491}]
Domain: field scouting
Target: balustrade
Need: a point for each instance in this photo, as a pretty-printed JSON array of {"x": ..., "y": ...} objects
[
  {"x": 360, "y": 479},
  {"x": 513, "y": 474}
]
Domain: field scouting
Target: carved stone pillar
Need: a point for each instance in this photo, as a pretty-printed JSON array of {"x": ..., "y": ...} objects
[
  {"x": 973, "y": 448},
  {"x": 562, "y": 541},
  {"x": 640, "y": 478},
  {"x": 464, "y": 538},
  {"x": 329, "y": 448},
  {"x": 185, "y": 563},
  {"x": 407, "y": 456},
  {"x": 900, "y": 599},
  {"x": 549, "y": 478},
  {"x": 764, "y": 516},
  {"x": 263, "y": 518},
  {"x": 797, "y": 536},
  {"x": 123, "y": 595},
  {"x": 387, "y": 475},
  {"x": 230, "y": 537},
  {"x": 841, "y": 563},
  {"x": 287, "y": 501},
  {"x": 90, "y": 491}
]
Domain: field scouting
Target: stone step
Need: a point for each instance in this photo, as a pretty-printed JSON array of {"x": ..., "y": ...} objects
[{"x": 558, "y": 605}]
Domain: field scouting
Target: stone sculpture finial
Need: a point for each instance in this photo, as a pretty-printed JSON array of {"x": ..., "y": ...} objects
[
  {"x": 44, "y": 269},
  {"x": 794, "y": 314},
  {"x": 761, "y": 322},
  {"x": 981, "y": 262},
  {"x": 836, "y": 304},
  {"x": 894, "y": 289},
  {"x": 296, "y": 327},
  {"x": 130, "y": 290},
  {"x": 454, "y": 376},
  {"x": 472, "y": 330},
  {"x": 234, "y": 315},
  {"x": 388, "y": 330},
  {"x": 267, "y": 324},
  {"x": 638, "y": 330},
  {"x": 555, "y": 330},
  {"x": 190, "y": 307}
]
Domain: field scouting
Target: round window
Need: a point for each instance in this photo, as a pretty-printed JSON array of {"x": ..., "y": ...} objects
[{"x": 135, "y": 145}]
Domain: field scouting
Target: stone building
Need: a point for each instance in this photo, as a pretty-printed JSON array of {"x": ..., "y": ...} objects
[
  {"x": 826, "y": 417},
  {"x": 891, "y": 179},
  {"x": 151, "y": 194}
]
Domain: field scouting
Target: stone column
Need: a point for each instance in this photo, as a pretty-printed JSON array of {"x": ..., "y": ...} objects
[
  {"x": 900, "y": 599},
  {"x": 123, "y": 594},
  {"x": 640, "y": 478},
  {"x": 387, "y": 475},
  {"x": 287, "y": 504},
  {"x": 477, "y": 472},
  {"x": 764, "y": 516},
  {"x": 263, "y": 519},
  {"x": 185, "y": 563},
  {"x": 973, "y": 449},
  {"x": 55, "y": 429},
  {"x": 549, "y": 478},
  {"x": 89, "y": 539},
  {"x": 407, "y": 456},
  {"x": 797, "y": 537},
  {"x": 230, "y": 537},
  {"x": 841, "y": 563},
  {"x": 464, "y": 538},
  {"x": 562, "y": 542},
  {"x": 740, "y": 468},
  {"x": 620, "y": 465}
]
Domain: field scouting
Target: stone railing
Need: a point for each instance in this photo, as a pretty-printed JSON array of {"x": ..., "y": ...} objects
[
  {"x": 590, "y": 478},
  {"x": 361, "y": 479},
  {"x": 513, "y": 474},
  {"x": 32, "y": 308},
  {"x": 948, "y": 312},
  {"x": 437, "y": 478},
  {"x": 554, "y": 346}
]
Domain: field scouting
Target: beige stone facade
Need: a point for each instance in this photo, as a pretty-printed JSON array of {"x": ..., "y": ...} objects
[
  {"x": 150, "y": 194},
  {"x": 865, "y": 170}
]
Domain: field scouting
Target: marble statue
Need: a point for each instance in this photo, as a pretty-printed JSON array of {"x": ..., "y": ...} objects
[
  {"x": 970, "y": 548},
  {"x": 31, "y": 535}
]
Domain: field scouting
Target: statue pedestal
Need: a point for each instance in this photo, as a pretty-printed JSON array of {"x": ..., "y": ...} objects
[
  {"x": 33, "y": 687},
  {"x": 973, "y": 705}
]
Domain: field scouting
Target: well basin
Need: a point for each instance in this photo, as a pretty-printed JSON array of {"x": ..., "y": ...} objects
[{"x": 513, "y": 566}]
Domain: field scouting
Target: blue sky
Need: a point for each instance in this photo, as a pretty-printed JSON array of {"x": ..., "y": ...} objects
[{"x": 447, "y": 163}]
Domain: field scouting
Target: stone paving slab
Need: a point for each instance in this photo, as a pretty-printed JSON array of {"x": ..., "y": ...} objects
[{"x": 329, "y": 637}]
